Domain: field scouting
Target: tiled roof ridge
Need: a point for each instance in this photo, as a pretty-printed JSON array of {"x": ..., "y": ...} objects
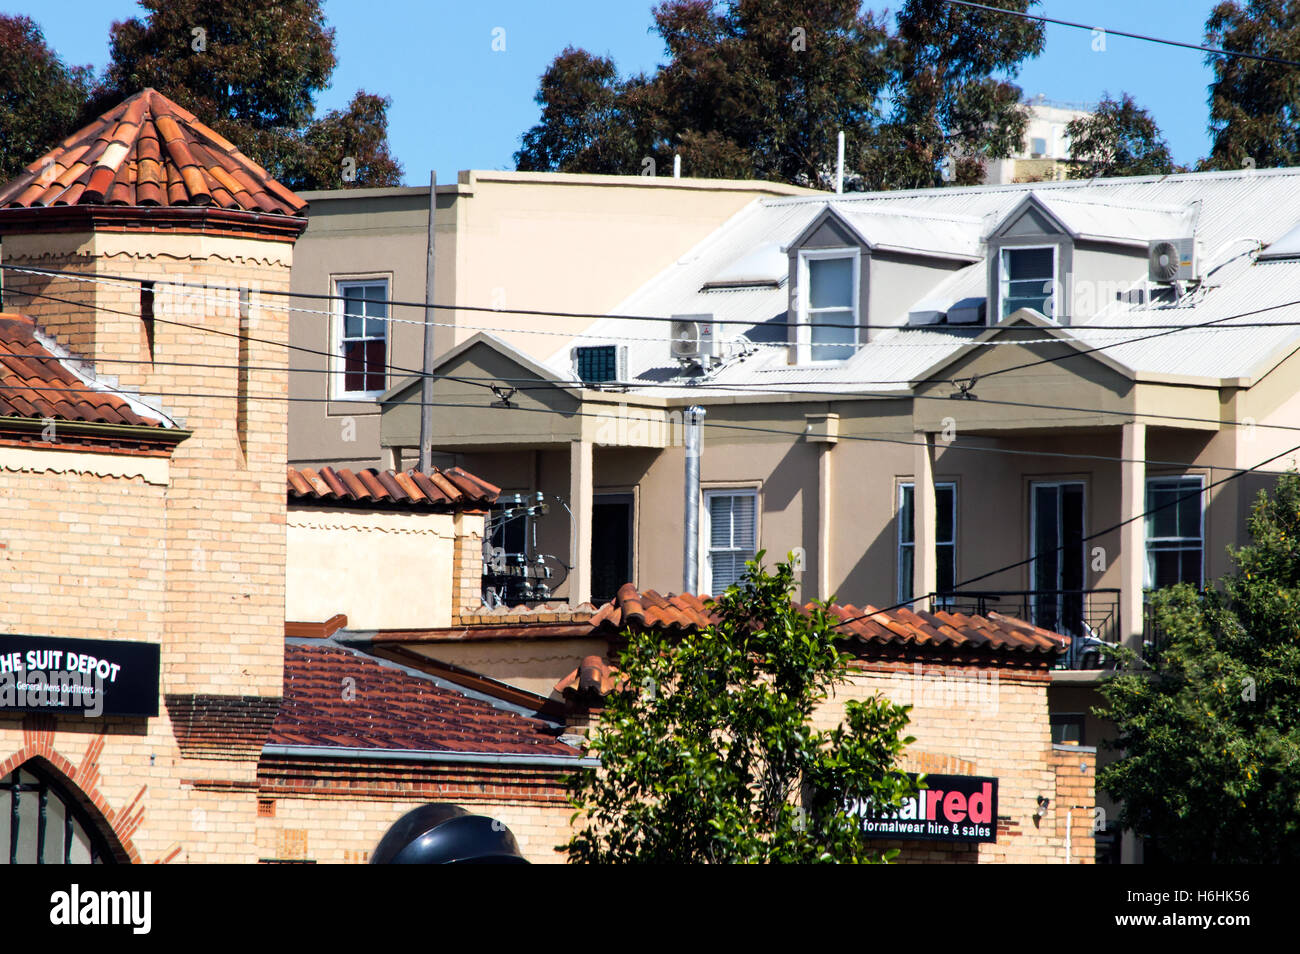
[
  {"x": 43, "y": 379},
  {"x": 902, "y": 626},
  {"x": 149, "y": 152},
  {"x": 451, "y": 489}
]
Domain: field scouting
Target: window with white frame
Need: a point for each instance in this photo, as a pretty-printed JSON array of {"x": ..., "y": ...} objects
[
  {"x": 945, "y": 539},
  {"x": 1027, "y": 279},
  {"x": 730, "y": 534},
  {"x": 1175, "y": 537},
  {"x": 362, "y": 338},
  {"x": 827, "y": 328}
]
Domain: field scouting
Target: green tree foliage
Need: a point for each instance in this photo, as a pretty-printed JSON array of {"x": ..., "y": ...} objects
[
  {"x": 1254, "y": 105},
  {"x": 41, "y": 97},
  {"x": 252, "y": 70},
  {"x": 760, "y": 88},
  {"x": 581, "y": 125},
  {"x": 947, "y": 100},
  {"x": 1119, "y": 139},
  {"x": 1211, "y": 735},
  {"x": 708, "y": 752}
]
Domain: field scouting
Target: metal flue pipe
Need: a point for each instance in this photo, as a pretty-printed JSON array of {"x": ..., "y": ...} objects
[{"x": 693, "y": 424}]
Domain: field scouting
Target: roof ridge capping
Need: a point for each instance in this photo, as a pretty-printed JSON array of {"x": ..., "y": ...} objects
[
  {"x": 1063, "y": 185},
  {"x": 441, "y": 490}
]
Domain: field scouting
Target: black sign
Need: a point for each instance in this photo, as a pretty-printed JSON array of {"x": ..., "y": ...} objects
[
  {"x": 961, "y": 808},
  {"x": 92, "y": 677}
]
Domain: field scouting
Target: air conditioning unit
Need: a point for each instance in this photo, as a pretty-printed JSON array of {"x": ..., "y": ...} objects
[
  {"x": 600, "y": 364},
  {"x": 694, "y": 338},
  {"x": 1172, "y": 260}
]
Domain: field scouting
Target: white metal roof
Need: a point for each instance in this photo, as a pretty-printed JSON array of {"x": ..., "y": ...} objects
[{"x": 1260, "y": 205}]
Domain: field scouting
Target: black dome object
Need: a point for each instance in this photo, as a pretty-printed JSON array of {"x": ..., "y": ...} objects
[{"x": 440, "y": 833}]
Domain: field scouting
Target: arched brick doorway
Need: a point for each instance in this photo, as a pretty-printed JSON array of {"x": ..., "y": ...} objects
[{"x": 46, "y": 819}]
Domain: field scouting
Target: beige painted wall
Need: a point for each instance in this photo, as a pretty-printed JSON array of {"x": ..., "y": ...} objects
[
  {"x": 532, "y": 664},
  {"x": 345, "y": 561},
  {"x": 503, "y": 240}
]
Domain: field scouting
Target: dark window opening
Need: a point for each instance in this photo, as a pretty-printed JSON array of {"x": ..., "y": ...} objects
[
  {"x": 597, "y": 364},
  {"x": 611, "y": 545},
  {"x": 40, "y": 823},
  {"x": 146, "y": 315}
]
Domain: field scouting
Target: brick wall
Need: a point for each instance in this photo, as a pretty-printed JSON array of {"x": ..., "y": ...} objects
[
  {"x": 224, "y": 510},
  {"x": 195, "y": 563},
  {"x": 989, "y": 722}
]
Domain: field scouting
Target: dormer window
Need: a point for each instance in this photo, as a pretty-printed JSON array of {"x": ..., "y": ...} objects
[
  {"x": 828, "y": 305},
  {"x": 1028, "y": 280}
]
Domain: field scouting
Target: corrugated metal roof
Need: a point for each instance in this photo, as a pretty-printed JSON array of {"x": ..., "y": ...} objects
[
  {"x": 1120, "y": 221},
  {"x": 1261, "y": 206}
]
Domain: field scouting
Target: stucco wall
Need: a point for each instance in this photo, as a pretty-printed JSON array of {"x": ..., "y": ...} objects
[{"x": 382, "y": 569}]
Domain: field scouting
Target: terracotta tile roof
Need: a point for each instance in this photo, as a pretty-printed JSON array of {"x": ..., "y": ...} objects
[
  {"x": 148, "y": 151},
  {"x": 682, "y": 612},
  {"x": 594, "y": 679},
  {"x": 38, "y": 380},
  {"x": 395, "y": 709},
  {"x": 452, "y": 489},
  {"x": 942, "y": 630},
  {"x": 650, "y": 610},
  {"x": 869, "y": 626}
]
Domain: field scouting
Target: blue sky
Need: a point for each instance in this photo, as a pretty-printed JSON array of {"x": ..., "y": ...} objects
[{"x": 458, "y": 104}]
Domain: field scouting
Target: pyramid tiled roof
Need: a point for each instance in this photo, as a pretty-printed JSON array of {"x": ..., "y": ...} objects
[{"x": 148, "y": 152}]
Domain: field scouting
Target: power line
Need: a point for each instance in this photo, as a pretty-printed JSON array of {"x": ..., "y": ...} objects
[
  {"x": 1217, "y": 51},
  {"x": 602, "y": 416},
  {"x": 1092, "y": 536},
  {"x": 1215, "y": 324},
  {"x": 108, "y": 278}
]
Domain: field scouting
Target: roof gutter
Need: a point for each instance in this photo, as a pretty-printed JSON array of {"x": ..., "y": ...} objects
[
  {"x": 149, "y": 433},
  {"x": 425, "y": 755}
]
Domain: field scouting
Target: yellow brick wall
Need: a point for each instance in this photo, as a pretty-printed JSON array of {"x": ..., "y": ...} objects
[
  {"x": 981, "y": 722},
  {"x": 197, "y": 565},
  {"x": 224, "y": 510},
  {"x": 344, "y": 831}
]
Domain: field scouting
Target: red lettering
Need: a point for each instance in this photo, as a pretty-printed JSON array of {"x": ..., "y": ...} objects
[
  {"x": 932, "y": 798},
  {"x": 954, "y": 807},
  {"x": 981, "y": 804}
]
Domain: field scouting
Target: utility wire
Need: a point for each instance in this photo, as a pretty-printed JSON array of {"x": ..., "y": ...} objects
[
  {"x": 109, "y": 278},
  {"x": 1215, "y": 324},
  {"x": 1092, "y": 536},
  {"x": 595, "y": 414},
  {"x": 1216, "y": 51}
]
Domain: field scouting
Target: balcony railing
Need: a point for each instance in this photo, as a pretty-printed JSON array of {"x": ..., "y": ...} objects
[{"x": 1089, "y": 617}]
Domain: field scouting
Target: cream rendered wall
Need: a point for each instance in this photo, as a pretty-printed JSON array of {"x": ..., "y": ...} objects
[
  {"x": 532, "y": 241},
  {"x": 382, "y": 569},
  {"x": 532, "y": 664},
  {"x": 577, "y": 243}
]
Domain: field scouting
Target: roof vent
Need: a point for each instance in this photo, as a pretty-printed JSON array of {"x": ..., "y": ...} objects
[{"x": 967, "y": 311}]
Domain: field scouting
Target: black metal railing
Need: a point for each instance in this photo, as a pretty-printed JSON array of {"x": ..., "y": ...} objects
[{"x": 1089, "y": 617}]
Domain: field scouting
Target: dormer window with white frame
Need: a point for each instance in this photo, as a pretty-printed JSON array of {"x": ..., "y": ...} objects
[
  {"x": 1027, "y": 279},
  {"x": 828, "y": 305}
]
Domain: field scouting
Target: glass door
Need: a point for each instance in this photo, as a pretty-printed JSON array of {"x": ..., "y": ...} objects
[{"x": 1057, "y": 556}]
